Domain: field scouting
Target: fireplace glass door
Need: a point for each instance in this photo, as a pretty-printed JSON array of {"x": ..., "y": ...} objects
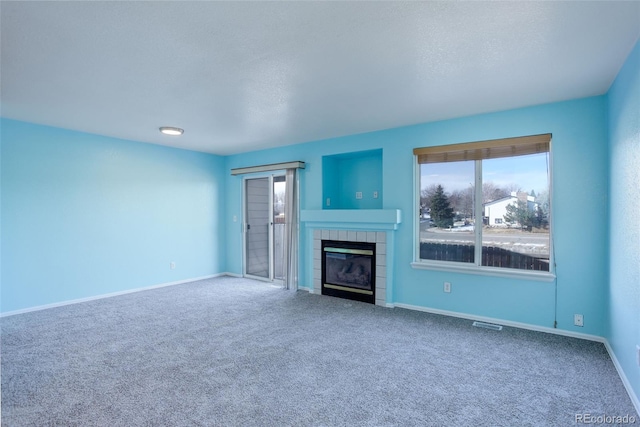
[{"x": 348, "y": 270}]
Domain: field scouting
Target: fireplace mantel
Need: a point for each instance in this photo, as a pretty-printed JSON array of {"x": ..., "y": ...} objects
[{"x": 353, "y": 219}]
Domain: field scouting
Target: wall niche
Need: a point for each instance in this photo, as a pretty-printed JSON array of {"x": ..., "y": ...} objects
[{"x": 352, "y": 180}]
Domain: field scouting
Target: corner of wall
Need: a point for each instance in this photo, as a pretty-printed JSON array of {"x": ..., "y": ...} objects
[{"x": 108, "y": 215}]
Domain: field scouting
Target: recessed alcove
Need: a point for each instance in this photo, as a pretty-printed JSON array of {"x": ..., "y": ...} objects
[{"x": 352, "y": 180}]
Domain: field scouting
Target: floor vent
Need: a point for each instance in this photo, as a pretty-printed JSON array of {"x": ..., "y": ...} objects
[{"x": 487, "y": 326}]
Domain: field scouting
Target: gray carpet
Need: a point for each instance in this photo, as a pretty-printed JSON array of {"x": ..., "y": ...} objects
[{"x": 236, "y": 352}]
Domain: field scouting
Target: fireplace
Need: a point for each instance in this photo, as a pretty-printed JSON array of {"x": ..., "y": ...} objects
[{"x": 349, "y": 270}]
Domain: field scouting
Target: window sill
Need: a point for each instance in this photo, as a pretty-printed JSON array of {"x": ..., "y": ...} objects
[{"x": 540, "y": 276}]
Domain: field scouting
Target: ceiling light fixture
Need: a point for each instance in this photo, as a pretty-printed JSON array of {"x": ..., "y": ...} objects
[{"x": 168, "y": 130}]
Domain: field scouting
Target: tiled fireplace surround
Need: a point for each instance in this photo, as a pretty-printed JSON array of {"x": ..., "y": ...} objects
[
  {"x": 377, "y": 237},
  {"x": 358, "y": 225}
]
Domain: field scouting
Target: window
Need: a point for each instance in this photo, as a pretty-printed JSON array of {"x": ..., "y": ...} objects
[{"x": 485, "y": 206}]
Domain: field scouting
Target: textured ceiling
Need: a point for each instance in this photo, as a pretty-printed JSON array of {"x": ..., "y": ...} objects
[{"x": 240, "y": 76}]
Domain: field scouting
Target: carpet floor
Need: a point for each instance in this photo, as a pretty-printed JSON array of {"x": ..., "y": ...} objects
[{"x": 237, "y": 352}]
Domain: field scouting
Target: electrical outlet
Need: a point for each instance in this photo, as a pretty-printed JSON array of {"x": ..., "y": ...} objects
[
  {"x": 328, "y": 201},
  {"x": 447, "y": 287},
  {"x": 235, "y": 218},
  {"x": 172, "y": 265},
  {"x": 638, "y": 354},
  {"x": 358, "y": 194},
  {"x": 578, "y": 320},
  {"x": 375, "y": 194}
]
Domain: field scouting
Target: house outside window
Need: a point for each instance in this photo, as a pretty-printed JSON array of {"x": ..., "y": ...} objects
[{"x": 485, "y": 206}]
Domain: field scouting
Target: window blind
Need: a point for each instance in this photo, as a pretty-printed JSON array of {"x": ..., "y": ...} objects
[{"x": 492, "y": 149}]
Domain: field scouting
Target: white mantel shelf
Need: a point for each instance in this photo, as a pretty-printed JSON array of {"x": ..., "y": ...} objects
[{"x": 355, "y": 219}]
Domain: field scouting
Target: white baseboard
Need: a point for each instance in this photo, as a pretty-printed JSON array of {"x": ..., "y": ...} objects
[
  {"x": 623, "y": 377},
  {"x": 231, "y": 274},
  {"x": 621, "y": 374},
  {"x": 109, "y": 295},
  {"x": 503, "y": 322}
]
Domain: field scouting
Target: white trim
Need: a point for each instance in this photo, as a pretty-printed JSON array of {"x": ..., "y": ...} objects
[
  {"x": 270, "y": 235},
  {"x": 552, "y": 253},
  {"x": 623, "y": 377},
  {"x": 478, "y": 212},
  {"x": 416, "y": 208},
  {"x": 458, "y": 267},
  {"x": 230, "y": 274},
  {"x": 503, "y": 322},
  {"x": 109, "y": 295}
]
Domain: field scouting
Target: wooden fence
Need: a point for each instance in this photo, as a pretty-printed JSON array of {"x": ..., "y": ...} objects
[{"x": 491, "y": 256}]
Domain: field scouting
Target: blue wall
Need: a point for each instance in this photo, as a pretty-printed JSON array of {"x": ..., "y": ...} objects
[
  {"x": 624, "y": 261},
  {"x": 85, "y": 215},
  {"x": 97, "y": 215},
  {"x": 580, "y": 185}
]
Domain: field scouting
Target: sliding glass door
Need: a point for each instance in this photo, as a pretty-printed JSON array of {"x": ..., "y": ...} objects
[
  {"x": 264, "y": 201},
  {"x": 279, "y": 188}
]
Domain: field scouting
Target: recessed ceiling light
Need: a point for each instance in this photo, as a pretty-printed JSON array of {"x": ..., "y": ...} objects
[{"x": 167, "y": 130}]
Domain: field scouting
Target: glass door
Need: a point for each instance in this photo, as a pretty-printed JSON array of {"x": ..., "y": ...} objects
[
  {"x": 264, "y": 229},
  {"x": 257, "y": 220},
  {"x": 279, "y": 192}
]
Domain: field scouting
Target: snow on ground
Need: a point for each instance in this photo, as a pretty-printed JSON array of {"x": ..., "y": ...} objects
[{"x": 509, "y": 239}]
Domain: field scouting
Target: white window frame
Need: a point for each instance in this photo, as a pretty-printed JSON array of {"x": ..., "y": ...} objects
[{"x": 476, "y": 268}]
